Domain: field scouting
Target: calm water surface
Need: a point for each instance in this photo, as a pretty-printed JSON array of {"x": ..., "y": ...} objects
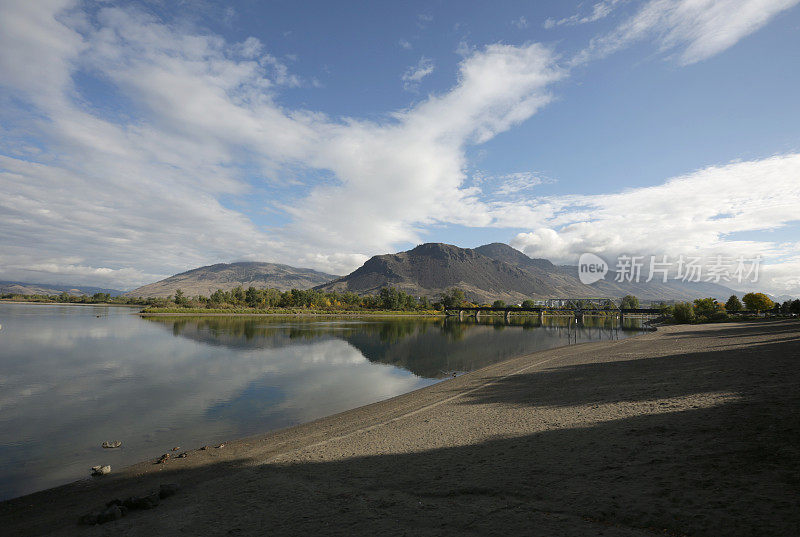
[{"x": 74, "y": 376}]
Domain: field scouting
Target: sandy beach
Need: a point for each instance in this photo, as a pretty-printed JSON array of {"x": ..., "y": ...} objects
[{"x": 691, "y": 430}]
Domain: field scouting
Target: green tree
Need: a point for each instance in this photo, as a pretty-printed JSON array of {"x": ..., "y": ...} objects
[
  {"x": 391, "y": 298},
  {"x": 733, "y": 304},
  {"x": 237, "y": 295},
  {"x": 251, "y": 297},
  {"x": 706, "y": 307},
  {"x": 180, "y": 298},
  {"x": 683, "y": 312},
  {"x": 424, "y": 303},
  {"x": 498, "y": 304},
  {"x": 452, "y": 297},
  {"x": 758, "y": 302},
  {"x": 629, "y": 302},
  {"x": 216, "y": 298},
  {"x": 528, "y": 303}
]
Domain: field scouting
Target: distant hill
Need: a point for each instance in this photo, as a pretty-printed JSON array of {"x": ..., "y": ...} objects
[
  {"x": 431, "y": 268},
  {"x": 498, "y": 271},
  {"x": 564, "y": 280},
  {"x": 226, "y": 276},
  {"x": 24, "y": 288}
]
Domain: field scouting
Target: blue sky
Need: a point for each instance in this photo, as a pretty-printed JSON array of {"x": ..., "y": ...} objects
[{"x": 141, "y": 139}]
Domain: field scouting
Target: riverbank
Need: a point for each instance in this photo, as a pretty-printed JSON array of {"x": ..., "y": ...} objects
[
  {"x": 54, "y": 303},
  {"x": 689, "y": 430},
  {"x": 288, "y": 313}
]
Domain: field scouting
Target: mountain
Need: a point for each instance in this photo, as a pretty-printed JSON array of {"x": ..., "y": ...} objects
[
  {"x": 226, "y": 276},
  {"x": 431, "y": 268},
  {"x": 498, "y": 271},
  {"x": 564, "y": 281},
  {"x": 512, "y": 256},
  {"x": 24, "y": 288}
]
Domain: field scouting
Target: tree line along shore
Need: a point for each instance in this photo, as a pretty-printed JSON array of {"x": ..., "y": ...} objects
[{"x": 392, "y": 300}]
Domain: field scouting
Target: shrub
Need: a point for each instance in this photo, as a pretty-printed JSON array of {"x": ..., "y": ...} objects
[{"x": 683, "y": 312}]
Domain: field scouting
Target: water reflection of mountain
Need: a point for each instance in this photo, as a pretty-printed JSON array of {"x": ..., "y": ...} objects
[{"x": 430, "y": 348}]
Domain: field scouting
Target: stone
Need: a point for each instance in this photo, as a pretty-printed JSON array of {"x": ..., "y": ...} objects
[
  {"x": 89, "y": 519},
  {"x": 182, "y": 455},
  {"x": 164, "y": 458},
  {"x": 176, "y": 448},
  {"x": 110, "y": 513},
  {"x": 168, "y": 489},
  {"x": 142, "y": 502},
  {"x": 101, "y": 470},
  {"x": 111, "y": 445}
]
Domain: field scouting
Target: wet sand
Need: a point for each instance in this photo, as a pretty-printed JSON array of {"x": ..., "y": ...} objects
[{"x": 692, "y": 430}]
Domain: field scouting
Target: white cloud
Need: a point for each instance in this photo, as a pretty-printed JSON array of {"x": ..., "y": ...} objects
[
  {"x": 695, "y": 214},
  {"x": 142, "y": 194},
  {"x": 520, "y": 23},
  {"x": 408, "y": 173},
  {"x": 414, "y": 74},
  {"x": 121, "y": 200},
  {"x": 600, "y": 10},
  {"x": 143, "y": 191},
  {"x": 404, "y": 43},
  {"x": 423, "y": 20},
  {"x": 508, "y": 184},
  {"x": 692, "y": 30}
]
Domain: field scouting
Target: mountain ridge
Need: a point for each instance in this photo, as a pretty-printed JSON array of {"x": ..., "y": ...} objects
[
  {"x": 226, "y": 276},
  {"x": 494, "y": 271},
  {"x": 29, "y": 288},
  {"x": 498, "y": 271}
]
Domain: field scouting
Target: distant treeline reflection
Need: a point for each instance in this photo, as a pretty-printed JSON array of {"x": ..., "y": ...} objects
[{"x": 428, "y": 347}]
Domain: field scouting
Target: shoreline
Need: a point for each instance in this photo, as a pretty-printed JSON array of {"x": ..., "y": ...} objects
[
  {"x": 42, "y": 303},
  {"x": 309, "y": 314},
  {"x": 232, "y": 314},
  {"x": 484, "y": 448}
]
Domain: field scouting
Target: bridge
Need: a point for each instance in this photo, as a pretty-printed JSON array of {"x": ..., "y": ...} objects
[{"x": 577, "y": 307}]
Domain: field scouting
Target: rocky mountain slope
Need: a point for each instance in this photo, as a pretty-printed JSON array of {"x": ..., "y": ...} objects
[
  {"x": 498, "y": 271},
  {"x": 226, "y": 276},
  {"x": 564, "y": 280}
]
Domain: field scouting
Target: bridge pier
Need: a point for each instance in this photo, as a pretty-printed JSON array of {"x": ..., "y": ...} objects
[
  {"x": 477, "y": 315},
  {"x": 460, "y": 315},
  {"x": 507, "y": 315}
]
